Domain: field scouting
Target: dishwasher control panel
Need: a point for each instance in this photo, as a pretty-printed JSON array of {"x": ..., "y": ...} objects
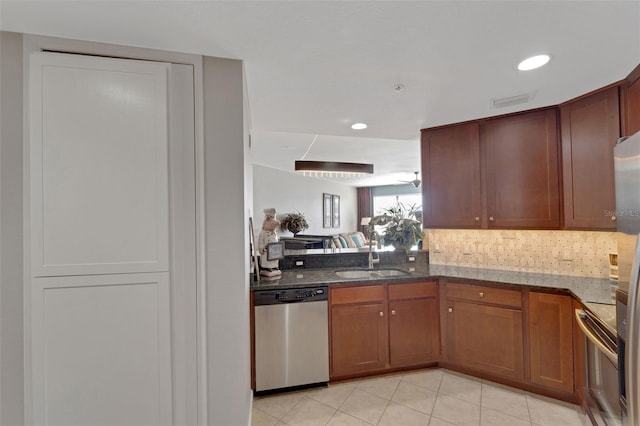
[{"x": 290, "y": 295}]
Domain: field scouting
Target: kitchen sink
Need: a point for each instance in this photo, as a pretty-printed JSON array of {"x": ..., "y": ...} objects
[
  {"x": 371, "y": 273},
  {"x": 356, "y": 273},
  {"x": 391, "y": 272}
]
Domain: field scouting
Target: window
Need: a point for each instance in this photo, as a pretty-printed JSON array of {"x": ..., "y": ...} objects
[{"x": 381, "y": 202}]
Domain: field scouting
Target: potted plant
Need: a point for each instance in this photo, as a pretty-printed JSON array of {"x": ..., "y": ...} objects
[
  {"x": 294, "y": 223},
  {"x": 402, "y": 226}
]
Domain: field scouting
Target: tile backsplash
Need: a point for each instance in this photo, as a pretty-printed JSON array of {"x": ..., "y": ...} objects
[{"x": 579, "y": 253}]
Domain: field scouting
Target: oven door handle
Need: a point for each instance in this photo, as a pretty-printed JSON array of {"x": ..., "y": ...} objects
[{"x": 613, "y": 357}]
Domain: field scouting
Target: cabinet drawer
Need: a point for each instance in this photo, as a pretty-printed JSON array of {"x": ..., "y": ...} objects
[
  {"x": 485, "y": 294},
  {"x": 412, "y": 290},
  {"x": 358, "y": 294}
]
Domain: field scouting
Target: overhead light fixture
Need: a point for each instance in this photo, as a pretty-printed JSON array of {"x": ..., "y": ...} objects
[
  {"x": 533, "y": 62},
  {"x": 358, "y": 126},
  {"x": 333, "y": 169}
]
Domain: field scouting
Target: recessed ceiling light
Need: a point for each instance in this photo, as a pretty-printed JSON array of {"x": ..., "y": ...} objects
[
  {"x": 358, "y": 126},
  {"x": 533, "y": 62}
]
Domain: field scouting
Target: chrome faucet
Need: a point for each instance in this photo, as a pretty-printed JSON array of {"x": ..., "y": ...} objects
[{"x": 372, "y": 260}]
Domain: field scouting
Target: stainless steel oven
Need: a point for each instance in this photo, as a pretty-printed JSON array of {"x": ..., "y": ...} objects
[{"x": 601, "y": 350}]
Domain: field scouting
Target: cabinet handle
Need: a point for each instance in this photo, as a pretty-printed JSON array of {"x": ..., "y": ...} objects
[
  {"x": 613, "y": 218},
  {"x": 381, "y": 313},
  {"x": 477, "y": 218},
  {"x": 450, "y": 309},
  {"x": 481, "y": 294},
  {"x": 393, "y": 312},
  {"x": 491, "y": 218}
]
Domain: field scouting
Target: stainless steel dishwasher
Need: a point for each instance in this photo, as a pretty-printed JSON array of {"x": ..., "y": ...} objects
[{"x": 291, "y": 338}]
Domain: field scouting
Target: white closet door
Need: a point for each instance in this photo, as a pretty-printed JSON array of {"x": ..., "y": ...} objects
[
  {"x": 98, "y": 165},
  {"x": 105, "y": 300}
]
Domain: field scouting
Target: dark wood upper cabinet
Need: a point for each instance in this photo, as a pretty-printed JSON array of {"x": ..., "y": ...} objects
[
  {"x": 451, "y": 177},
  {"x": 516, "y": 172},
  {"x": 521, "y": 158},
  {"x": 519, "y": 165},
  {"x": 590, "y": 129},
  {"x": 630, "y": 101}
]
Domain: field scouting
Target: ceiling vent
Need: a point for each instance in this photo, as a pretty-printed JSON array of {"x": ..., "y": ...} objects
[{"x": 511, "y": 100}]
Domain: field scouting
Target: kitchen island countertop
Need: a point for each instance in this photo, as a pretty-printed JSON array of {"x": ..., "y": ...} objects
[{"x": 586, "y": 289}]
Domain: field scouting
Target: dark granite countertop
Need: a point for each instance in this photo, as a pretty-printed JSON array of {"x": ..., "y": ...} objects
[{"x": 597, "y": 290}]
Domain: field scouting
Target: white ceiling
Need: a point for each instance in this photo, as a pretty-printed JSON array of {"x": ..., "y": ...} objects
[{"x": 315, "y": 67}]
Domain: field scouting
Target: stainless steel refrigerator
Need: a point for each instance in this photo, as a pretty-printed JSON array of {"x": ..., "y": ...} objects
[{"x": 627, "y": 181}]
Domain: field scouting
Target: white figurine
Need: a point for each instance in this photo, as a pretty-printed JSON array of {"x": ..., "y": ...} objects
[{"x": 268, "y": 268}]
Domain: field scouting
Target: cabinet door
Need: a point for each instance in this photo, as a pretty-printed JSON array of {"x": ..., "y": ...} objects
[
  {"x": 413, "y": 332},
  {"x": 451, "y": 177},
  {"x": 522, "y": 171},
  {"x": 485, "y": 338},
  {"x": 631, "y": 103},
  {"x": 590, "y": 129},
  {"x": 551, "y": 341},
  {"x": 359, "y": 338}
]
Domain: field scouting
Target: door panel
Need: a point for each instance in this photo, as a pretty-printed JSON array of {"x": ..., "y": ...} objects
[
  {"x": 590, "y": 130},
  {"x": 98, "y": 165},
  {"x": 487, "y": 338},
  {"x": 111, "y": 316},
  {"x": 451, "y": 174},
  {"x": 522, "y": 171},
  {"x": 359, "y": 338},
  {"x": 551, "y": 337},
  {"x": 413, "y": 332},
  {"x": 101, "y": 350}
]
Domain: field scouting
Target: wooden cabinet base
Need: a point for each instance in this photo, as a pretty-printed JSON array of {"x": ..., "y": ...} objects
[
  {"x": 563, "y": 396},
  {"x": 341, "y": 377}
]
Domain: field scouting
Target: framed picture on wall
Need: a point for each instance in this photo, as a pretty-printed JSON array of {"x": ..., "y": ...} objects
[
  {"x": 326, "y": 210},
  {"x": 335, "y": 211}
]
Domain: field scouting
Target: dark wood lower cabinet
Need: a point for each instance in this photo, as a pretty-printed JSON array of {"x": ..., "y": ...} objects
[
  {"x": 488, "y": 338},
  {"x": 500, "y": 332},
  {"x": 383, "y": 327},
  {"x": 359, "y": 338},
  {"x": 504, "y": 333},
  {"x": 413, "y": 332},
  {"x": 551, "y": 341}
]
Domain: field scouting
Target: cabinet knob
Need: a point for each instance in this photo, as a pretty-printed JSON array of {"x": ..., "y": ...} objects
[
  {"x": 481, "y": 294},
  {"x": 450, "y": 309},
  {"x": 381, "y": 313},
  {"x": 491, "y": 218},
  {"x": 613, "y": 218},
  {"x": 393, "y": 312},
  {"x": 477, "y": 218}
]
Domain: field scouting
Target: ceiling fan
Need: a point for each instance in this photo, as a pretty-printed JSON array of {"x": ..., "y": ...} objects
[{"x": 416, "y": 182}]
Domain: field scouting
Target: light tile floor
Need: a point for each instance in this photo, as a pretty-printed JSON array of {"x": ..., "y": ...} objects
[{"x": 433, "y": 397}]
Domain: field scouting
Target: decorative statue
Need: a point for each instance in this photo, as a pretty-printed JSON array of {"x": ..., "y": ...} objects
[{"x": 268, "y": 268}]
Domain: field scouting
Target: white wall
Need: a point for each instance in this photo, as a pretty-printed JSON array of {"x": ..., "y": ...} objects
[
  {"x": 289, "y": 192},
  {"x": 227, "y": 243},
  {"x": 11, "y": 312}
]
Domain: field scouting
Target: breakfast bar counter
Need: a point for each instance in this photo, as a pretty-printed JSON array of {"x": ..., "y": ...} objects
[{"x": 585, "y": 289}]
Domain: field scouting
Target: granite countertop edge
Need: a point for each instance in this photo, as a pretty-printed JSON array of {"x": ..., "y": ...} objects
[{"x": 585, "y": 289}]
